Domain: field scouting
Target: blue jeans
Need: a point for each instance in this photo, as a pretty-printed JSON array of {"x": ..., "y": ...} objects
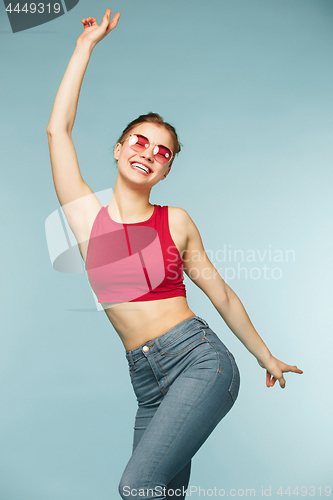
[{"x": 185, "y": 382}]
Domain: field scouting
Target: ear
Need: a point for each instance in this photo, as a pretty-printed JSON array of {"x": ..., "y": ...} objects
[
  {"x": 116, "y": 151},
  {"x": 166, "y": 173}
]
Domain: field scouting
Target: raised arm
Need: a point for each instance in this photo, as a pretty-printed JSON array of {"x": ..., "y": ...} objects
[
  {"x": 202, "y": 272},
  {"x": 67, "y": 178}
]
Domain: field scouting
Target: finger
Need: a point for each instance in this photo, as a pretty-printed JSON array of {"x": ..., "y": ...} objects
[
  {"x": 282, "y": 382},
  {"x": 91, "y": 20},
  {"x": 292, "y": 369},
  {"x": 106, "y": 19},
  {"x": 296, "y": 370},
  {"x": 268, "y": 379},
  {"x": 106, "y": 15},
  {"x": 88, "y": 21},
  {"x": 114, "y": 22}
]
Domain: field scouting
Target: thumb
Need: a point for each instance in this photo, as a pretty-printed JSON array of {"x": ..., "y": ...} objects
[
  {"x": 106, "y": 17},
  {"x": 282, "y": 382}
]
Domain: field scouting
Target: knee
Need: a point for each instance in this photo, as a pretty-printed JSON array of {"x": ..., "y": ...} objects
[
  {"x": 125, "y": 491},
  {"x": 125, "y": 487},
  {"x": 131, "y": 487}
]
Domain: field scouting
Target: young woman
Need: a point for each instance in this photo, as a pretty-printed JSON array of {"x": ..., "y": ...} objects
[{"x": 185, "y": 379}]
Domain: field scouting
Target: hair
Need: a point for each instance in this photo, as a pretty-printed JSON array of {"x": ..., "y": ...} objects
[{"x": 156, "y": 119}]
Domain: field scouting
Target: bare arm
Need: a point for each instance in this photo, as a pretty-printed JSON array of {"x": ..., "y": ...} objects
[
  {"x": 67, "y": 178},
  {"x": 202, "y": 272},
  {"x": 65, "y": 104}
]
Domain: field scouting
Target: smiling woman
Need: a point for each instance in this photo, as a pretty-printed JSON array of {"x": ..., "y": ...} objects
[
  {"x": 184, "y": 377},
  {"x": 143, "y": 142},
  {"x": 143, "y": 151}
]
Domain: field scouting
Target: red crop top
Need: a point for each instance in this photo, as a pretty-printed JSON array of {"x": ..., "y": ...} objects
[{"x": 129, "y": 262}]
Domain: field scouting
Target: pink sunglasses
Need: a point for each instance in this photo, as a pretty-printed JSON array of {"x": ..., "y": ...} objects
[{"x": 140, "y": 143}]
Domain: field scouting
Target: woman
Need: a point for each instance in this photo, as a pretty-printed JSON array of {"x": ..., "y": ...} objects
[{"x": 184, "y": 377}]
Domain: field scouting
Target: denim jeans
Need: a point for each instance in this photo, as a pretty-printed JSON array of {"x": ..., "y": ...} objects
[{"x": 185, "y": 381}]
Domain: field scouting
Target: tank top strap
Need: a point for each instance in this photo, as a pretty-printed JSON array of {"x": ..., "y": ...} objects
[{"x": 160, "y": 219}]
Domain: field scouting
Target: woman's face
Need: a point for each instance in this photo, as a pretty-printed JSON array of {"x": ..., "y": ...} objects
[{"x": 133, "y": 165}]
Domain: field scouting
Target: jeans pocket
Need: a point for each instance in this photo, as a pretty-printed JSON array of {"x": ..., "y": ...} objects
[
  {"x": 235, "y": 381},
  {"x": 183, "y": 343}
]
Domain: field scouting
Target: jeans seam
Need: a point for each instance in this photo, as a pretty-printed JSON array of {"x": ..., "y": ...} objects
[
  {"x": 152, "y": 369},
  {"x": 182, "y": 351},
  {"x": 216, "y": 350},
  {"x": 132, "y": 376},
  {"x": 175, "y": 338},
  {"x": 233, "y": 396},
  {"x": 166, "y": 377},
  {"x": 137, "y": 359}
]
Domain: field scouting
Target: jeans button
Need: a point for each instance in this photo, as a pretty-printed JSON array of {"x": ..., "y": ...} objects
[{"x": 145, "y": 348}]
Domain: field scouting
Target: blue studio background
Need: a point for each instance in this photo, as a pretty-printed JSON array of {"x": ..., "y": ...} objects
[{"x": 248, "y": 85}]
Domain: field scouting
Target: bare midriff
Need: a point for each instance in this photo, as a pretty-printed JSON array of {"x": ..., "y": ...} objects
[{"x": 138, "y": 322}]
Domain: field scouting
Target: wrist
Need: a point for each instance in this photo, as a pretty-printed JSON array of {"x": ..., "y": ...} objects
[
  {"x": 264, "y": 356},
  {"x": 84, "y": 46}
]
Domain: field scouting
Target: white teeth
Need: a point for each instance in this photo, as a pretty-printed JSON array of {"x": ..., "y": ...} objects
[{"x": 141, "y": 167}]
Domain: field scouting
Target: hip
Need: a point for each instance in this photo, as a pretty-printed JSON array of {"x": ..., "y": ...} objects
[{"x": 191, "y": 349}]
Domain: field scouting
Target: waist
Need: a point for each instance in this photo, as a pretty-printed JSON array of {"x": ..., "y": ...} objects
[
  {"x": 163, "y": 340},
  {"x": 138, "y": 322}
]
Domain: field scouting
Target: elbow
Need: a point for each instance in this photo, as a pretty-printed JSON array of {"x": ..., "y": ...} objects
[
  {"x": 49, "y": 131},
  {"x": 230, "y": 293},
  {"x": 221, "y": 304},
  {"x": 220, "y": 299},
  {"x": 52, "y": 132},
  {"x": 224, "y": 297}
]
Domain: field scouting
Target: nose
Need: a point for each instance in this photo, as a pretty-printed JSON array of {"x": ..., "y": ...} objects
[{"x": 148, "y": 153}]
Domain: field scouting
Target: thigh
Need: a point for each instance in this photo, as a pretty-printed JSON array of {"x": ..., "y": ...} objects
[
  {"x": 195, "y": 402},
  {"x": 180, "y": 481}
]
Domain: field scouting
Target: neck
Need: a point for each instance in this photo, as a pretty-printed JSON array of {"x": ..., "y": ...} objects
[{"x": 128, "y": 204}]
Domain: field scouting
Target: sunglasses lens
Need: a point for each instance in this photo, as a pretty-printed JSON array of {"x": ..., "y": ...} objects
[
  {"x": 138, "y": 142},
  {"x": 163, "y": 154}
]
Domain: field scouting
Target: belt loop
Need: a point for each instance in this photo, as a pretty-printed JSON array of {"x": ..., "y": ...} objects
[{"x": 203, "y": 321}]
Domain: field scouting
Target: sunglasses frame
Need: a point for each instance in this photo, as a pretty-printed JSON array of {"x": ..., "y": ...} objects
[{"x": 153, "y": 143}]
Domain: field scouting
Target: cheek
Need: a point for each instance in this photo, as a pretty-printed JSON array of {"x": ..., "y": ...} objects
[{"x": 125, "y": 155}]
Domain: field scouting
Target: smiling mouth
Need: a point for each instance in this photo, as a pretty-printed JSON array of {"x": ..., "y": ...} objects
[{"x": 141, "y": 167}]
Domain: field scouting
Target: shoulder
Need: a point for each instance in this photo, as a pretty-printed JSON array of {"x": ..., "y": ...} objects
[
  {"x": 181, "y": 220},
  {"x": 178, "y": 216},
  {"x": 178, "y": 212}
]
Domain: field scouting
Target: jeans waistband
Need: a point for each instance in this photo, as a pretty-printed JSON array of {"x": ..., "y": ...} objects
[{"x": 163, "y": 339}]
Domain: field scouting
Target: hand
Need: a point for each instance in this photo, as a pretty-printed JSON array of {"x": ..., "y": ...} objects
[
  {"x": 276, "y": 368},
  {"x": 94, "y": 33}
]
